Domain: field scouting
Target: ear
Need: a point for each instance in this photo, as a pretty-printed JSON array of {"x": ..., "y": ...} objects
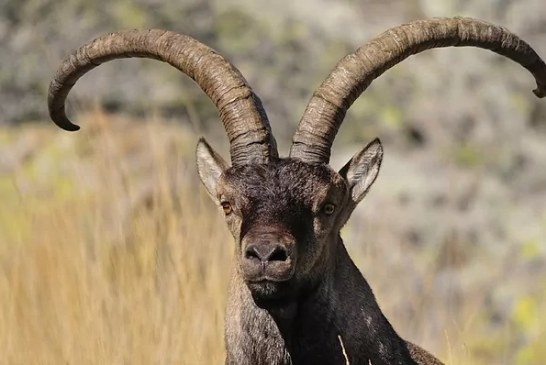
[
  {"x": 210, "y": 165},
  {"x": 360, "y": 172}
]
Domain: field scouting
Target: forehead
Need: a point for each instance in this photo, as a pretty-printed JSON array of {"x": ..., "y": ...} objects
[{"x": 284, "y": 178}]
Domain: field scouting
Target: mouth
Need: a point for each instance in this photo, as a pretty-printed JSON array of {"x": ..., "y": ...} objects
[
  {"x": 264, "y": 279},
  {"x": 270, "y": 291},
  {"x": 265, "y": 274}
]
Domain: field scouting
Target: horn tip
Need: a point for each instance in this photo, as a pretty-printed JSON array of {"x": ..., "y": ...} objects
[
  {"x": 73, "y": 128},
  {"x": 540, "y": 92},
  {"x": 67, "y": 125}
]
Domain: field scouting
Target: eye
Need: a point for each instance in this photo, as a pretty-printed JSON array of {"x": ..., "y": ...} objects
[
  {"x": 328, "y": 208},
  {"x": 226, "y": 207}
]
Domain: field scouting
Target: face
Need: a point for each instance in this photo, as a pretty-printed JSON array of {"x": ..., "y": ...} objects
[{"x": 285, "y": 217}]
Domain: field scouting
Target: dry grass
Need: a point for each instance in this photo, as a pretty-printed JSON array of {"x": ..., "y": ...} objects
[
  {"x": 84, "y": 282},
  {"x": 101, "y": 263},
  {"x": 344, "y": 352}
]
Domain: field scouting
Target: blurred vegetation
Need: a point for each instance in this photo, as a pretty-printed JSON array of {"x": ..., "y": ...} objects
[
  {"x": 99, "y": 230},
  {"x": 112, "y": 253}
]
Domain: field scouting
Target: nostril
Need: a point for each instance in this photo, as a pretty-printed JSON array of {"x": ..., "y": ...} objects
[
  {"x": 252, "y": 254},
  {"x": 266, "y": 253},
  {"x": 279, "y": 254}
]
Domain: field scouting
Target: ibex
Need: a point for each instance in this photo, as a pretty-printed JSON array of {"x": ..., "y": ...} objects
[{"x": 296, "y": 297}]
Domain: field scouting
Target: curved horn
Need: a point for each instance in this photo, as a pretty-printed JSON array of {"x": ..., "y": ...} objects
[
  {"x": 355, "y": 72},
  {"x": 240, "y": 109}
]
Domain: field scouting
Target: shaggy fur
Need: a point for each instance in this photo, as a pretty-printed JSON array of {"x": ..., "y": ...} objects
[{"x": 301, "y": 320}]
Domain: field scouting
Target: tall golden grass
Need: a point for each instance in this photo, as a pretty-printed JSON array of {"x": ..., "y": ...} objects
[
  {"x": 111, "y": 253},
  {"x": 84, "y": 280}
]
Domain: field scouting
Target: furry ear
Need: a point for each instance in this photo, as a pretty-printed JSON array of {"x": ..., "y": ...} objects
[
  {"x": 361, "y": 171},
  {"x": 210, "y": 165}
]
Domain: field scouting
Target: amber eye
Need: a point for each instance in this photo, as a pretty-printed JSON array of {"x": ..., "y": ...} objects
[
  {"x": 328, "y": 208},
  {"x": 226, "y": 207}
]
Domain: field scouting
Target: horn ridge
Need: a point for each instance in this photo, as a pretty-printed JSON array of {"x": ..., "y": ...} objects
[
  {"x": 355, "y": 72},
  {"x": 239, "y": 107}
]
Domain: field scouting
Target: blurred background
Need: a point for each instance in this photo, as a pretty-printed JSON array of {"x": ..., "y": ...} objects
[{"x": 111, "y": 252}]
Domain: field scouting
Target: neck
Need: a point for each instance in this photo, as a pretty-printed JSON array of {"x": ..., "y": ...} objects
[{"x": 309, "y": 330}]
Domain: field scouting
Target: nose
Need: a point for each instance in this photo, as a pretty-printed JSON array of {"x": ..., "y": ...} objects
[
  {"x": 268, "y": 256},
  {"x": 266, "y": 252}
]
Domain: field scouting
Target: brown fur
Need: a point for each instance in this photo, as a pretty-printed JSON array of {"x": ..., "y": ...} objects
[{"x": 300, "y": 320}]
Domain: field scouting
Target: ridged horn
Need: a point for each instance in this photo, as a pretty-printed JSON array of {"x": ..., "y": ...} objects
[
  {"x": 326, "y": 110},
  {"x": 240, "y": 110}
]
